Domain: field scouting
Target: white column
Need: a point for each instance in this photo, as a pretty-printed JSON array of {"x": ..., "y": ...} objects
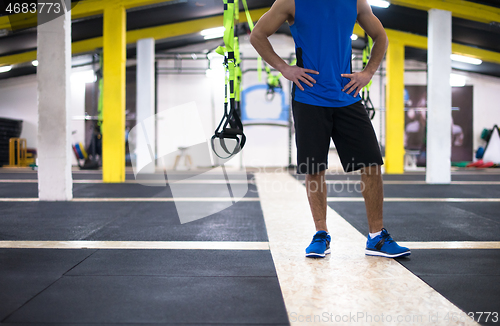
[
  {"x": 54, "y": 127},
  {"x": 439, "y": 98},
  {"x": 146, "y": 104}
]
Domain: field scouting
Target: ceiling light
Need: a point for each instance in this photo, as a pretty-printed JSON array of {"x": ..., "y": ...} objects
[
  {"x": 457, "y": 80},
  {"x": 212, "y": 36},
  {"x": 5, "y": 69},
  {"x": 83, "y": 77},
  {"x": 34, "y": 63},
  {"x": 461, "y": 58},
  {"x": 379, "y": 3},
  {"x": 354, "y": 37},
  {"x": 213, "y": 32}
]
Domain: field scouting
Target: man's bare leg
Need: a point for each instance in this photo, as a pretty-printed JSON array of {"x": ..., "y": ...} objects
[
  {"x": 373, "y": 192},
  {"x": 316, "y": 193}
]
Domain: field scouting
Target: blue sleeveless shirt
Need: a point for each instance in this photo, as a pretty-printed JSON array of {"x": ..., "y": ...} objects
[{"x": 322, "y": 32}]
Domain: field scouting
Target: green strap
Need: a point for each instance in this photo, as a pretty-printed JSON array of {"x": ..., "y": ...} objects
[
  {"x": 238, "y": 73},
  {"x": 237, "y": 11},
  {"x": 251, "y": 26},
  {"x": 237, "y": 69},
  {"x": 259, "y": 68},
  {"x": 366, "y": 57},
  {"x": 229, "y": 25},
  {"x": 237, "y": 59},
  {"x": 221, "y": 50},
  {"x": 247, "y": 13},
  {"x": 272, "y": 80},
  {"x": 229, "y": 46}
]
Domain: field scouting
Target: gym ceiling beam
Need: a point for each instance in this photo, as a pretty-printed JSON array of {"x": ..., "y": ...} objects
[
  {"x": 195, "y": 26},
  {"x": 85, "y": 8},
  {"x": 459, "y": 8},
  {"x": 420, "y": 42},
  {"x": 157, "y": 32}
]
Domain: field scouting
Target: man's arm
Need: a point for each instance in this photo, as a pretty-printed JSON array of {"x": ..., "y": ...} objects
[
  {"x": 372, "y": 26},
  {"x": 281, "y": 11}
]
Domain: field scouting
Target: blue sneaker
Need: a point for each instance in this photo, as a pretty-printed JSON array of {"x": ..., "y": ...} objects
[
  {"x": 383, "y": 245},
  {"x": 320, "y": 245}
]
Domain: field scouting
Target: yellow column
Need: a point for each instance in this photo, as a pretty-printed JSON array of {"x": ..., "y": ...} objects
[
  {"x": 395, "y": 117},
  {"x": 113, "y": 129}
]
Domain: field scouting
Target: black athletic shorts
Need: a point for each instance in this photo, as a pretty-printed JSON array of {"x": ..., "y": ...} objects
[{"x": 349, "y": 127}]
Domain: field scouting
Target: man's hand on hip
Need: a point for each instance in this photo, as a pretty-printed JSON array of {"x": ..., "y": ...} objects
[
  {"x": 358, "y": 81},
  {"x": 297, "y": 75}
]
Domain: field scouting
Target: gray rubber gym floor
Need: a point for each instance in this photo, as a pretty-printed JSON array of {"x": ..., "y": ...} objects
[
  {"x": 163, "y": 287},
  {"x": 218, "y": 287}
]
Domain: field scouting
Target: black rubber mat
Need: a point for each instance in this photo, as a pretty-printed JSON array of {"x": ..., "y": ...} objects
[
  {"x": 154, "y": 299},
  {"x": 167, "y": 287},
  {"x": 408, "y": 221},
  {"x": 181, "y": 263},
  {"x": 140, "y": 221},
  {"x": 468, "y": 278},
  {"x": 33, "y": 176},
  {"x": 18, "y": 190},
  {"x": 18, "y": 176},
  {"x": 142, "y": 324},
  {"x": 131, "y": 190},
  {"x": 180, "y": 190},
  {"x": 241, "y": 222},
  {"x": 356, "y": 176},
  {"x": 339, "y": 189},
  {"x": 478, "y": 176},
  {"x": 173, "y": 175},
  {"x": 207, "y": 175},
  {"x": 24, "y": 273}
]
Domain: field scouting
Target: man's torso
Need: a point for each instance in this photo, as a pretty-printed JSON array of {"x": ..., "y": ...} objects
[{"x": 322, "y": 32}]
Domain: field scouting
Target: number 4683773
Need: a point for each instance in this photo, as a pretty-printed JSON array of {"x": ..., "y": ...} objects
[{"x": 32, "y": 8}]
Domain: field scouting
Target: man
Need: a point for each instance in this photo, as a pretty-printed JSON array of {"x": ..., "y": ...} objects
[{"x": 326, "y": 103}]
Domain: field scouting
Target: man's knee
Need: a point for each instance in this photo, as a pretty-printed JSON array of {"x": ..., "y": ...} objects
[
  {"x": 372, "y": 170},
  {"x": 315, "y": 176}
]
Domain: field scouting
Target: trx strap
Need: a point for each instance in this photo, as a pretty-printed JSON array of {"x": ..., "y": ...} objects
[
  {"x": 273, "y": 82},
  {"x": 365, "y": 93},
  {"x": 237, "y": 58},
  {"x": 230, "y": 126},
  {"x": 247, "y": 13}
]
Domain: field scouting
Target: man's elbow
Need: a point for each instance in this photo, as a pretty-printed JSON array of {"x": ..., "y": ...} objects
[
  {"x": 254, "y": 37},
  {"x": 386, "y": 40},
  {"x": 382, "y": 39}
]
